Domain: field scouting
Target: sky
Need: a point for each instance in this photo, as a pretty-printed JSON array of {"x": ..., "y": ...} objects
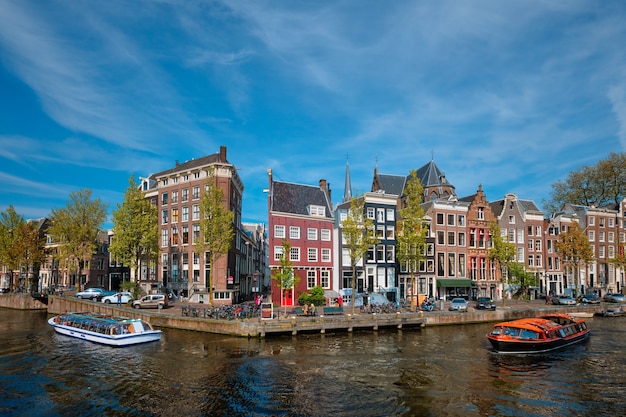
[{"x": 510, "y": 95}]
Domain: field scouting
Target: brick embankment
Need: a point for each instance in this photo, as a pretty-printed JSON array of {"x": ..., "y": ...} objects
[{"x": 286, "y": 322}]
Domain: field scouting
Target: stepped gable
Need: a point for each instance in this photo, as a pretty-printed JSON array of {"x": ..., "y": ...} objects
[{"x": 297, "y": 198}]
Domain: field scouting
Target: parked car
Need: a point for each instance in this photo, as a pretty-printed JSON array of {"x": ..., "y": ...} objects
[
  {"x": 112, "y": 299},
  {"x": 589, "y": 299},
  {"x": 485, "y": 303},
  {"x": 565, "y": 300},
  {"x": 614, "y": 298},
  {"x": 91, "y": 294},
  {"x": 151, "y": 301},
  {"x": 458, "y": 304}
]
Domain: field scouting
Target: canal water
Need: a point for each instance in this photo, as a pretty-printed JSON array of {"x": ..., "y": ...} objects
[{"x": 436, "y": 371}]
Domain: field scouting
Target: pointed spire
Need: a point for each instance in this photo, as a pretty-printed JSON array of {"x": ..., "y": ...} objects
[{"x": 347, "y": 190}]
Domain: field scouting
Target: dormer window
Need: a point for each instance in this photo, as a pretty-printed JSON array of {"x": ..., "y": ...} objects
[{"x": 317, "y": 211}]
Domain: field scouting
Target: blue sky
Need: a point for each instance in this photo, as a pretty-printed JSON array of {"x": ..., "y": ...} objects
[{"x": 512, "y": 95}]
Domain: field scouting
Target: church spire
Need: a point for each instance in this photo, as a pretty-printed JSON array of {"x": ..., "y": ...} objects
[{"x": 347, "y": 190}]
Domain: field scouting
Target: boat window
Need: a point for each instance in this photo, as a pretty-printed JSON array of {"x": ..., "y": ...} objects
[
  {"x": 497, "y": 331},
  {"x": 529, "y": 334},
  {"x": 561, "y": 332},
  {"x": 511, "y": 331}
]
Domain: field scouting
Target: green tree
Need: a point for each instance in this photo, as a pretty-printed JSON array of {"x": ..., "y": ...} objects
[
  {"x": 599, "y": 184},
  {"x": 521, "y": 278},
  {"x": 358, "y": 234},
  {"x": 284, "y": 275},
  {"x": 21, "y": 246},
  {"x": 135, "y": 230},
  {"x": 75, "y": 228},
  {"x": 216, "y": 227},
  {"x": 411, "y": 239},
  {"x": 575, "y": 251},
  {"x": 502, "y": 252}
]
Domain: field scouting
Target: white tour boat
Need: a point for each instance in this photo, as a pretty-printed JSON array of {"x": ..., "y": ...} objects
[{"x": 105, "y": 329}]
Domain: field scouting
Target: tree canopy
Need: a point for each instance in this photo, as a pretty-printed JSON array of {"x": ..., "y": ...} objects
[
  {"x": 284, "y": 274},
  {"x": 599, "y": 184},
  {"x": 575, "y": 251},
  {"x": 135, "y": 229},
  {"x": 358, "y": 234},
  {"x": 501, "y": 251},
  {"x": 216, "y": 227},
  {"x": 75, "y": 228},
  {"x": 411, "y": 239}
]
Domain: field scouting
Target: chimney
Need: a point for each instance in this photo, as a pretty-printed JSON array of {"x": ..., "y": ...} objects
[
  {"x": 177, "y": 163},
  {"x": 325, "y": 188},
  {"x": 222, "y": 153}
]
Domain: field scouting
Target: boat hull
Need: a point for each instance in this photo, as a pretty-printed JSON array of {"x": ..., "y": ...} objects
[
  {"x": 117, "y": 340},
  {"x": 504, "y": 346},
  {"x": 538, "y": 334}
]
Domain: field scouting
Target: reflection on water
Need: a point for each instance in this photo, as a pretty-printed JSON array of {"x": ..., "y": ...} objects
[{"x": 432, "y": 372}]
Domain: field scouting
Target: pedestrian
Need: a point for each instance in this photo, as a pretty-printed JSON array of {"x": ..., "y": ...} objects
[
  {"x": 305, "y": 310},
  {"x": 312, "y": 309},
  {"x": 340, "y": 301},
  {"x": 119, "y": 299}
]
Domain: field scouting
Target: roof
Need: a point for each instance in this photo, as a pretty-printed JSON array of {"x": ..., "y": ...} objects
[
  {"x": 392, "y": 184},
  {"x": 192, "y": 164},
  {"x": 297, "y": 198},
  {"x": 430, "y": 175}
]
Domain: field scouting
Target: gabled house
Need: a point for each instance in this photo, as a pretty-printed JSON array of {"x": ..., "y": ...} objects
[
  {"x": 482, "y": 271},
  {"x": 522, "y": 223},
  {"x": 301, "y": 215}
]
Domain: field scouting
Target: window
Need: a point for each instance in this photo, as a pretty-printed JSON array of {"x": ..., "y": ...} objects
[
  {"x": 185, "y": 192},
  {"x": 164, "y": 198},
  {"x": 461, "y": 239},
  {"x": 592, "y": 221},
  {"x": 391, "y": 233},
  {"x": 195, "y": 212},
  {"x": 311, "y": 233},
  {"x": 380, "y": 231},
  {"x": 370, "y": 213},
  {"x": 530, "y": 230},
  {"x": 318, "y": 211},
  {"x": 461, "y": 220},
  {"x": 294, "y": 254},
  {"x": 512, "y": 235},
  {"x": 440, "y": 218},
  {"x": 185, "y": 235},
  {"x": 450, "y": 219},
  {"x": 312, "y": 254},
  {"x": 391, "y": 215},
  {"x": 174, "y": 236},
  {"x": 325, "y": 235},
  {"x": 481, "y": 213},
  {"x": 440, "y": 237},
  {"x": 279, "y": 231},
  {"x": 380, "y": 253},
  {"x": 592, "y": 236},
  {"x": 185, "y": 213},
  {"x": 451, "y": 264},
  {"x": 601, "y": 248},
  {"x": 538, "y": 245},
  {"x": 601, "y": 236},
  {"x": 164, "y": 216},
  {"x": 520, "y": 255},
  {"x": 325, "y": 279},
  {"x": 196, "y": 233},
  {"x": 611, "y": 223},
  {"x": 602, "y": 221},
  {"x": 461, "y": 265},
  {"x": 326, "y": 255},
  {"x": 345, "y": 257},
  {"x": 611, "y": 237},
  {"x": 380, "y": 215},
  {"x": 164, "y": 238},
  {"x": 196, "y": 192},
  {"x": 531, "y": 260},
  {"x": 174, "y": 196},
  {"x": 511, "y": 219},
  {"x": 294, "y": 232},
  {"x": 531, "y": 244},
  {"x": 175, "y": 215},
  {"x": 165, "y": 181},
  {"x": 391, "y": 253},
  {"x": 538, "y": 231},
  {"x": 310, "y": 279},
  {"x": 520, "y": 236},
  {"x": 278, "y": 253},
  {"x": 451, "y": 237}
]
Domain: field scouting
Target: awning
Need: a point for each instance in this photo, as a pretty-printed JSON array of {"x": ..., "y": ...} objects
[
  {"x": 454, "y": 283},
  {"x": 331, "y": 294}
]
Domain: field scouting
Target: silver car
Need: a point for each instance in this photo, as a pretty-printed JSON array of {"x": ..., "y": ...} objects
[
  {"x": 565, "y": 300},
  {"x": 90, "y": 294},
  {"x": 615, "y": 298},
  {"x": 458, "y": 304}
]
